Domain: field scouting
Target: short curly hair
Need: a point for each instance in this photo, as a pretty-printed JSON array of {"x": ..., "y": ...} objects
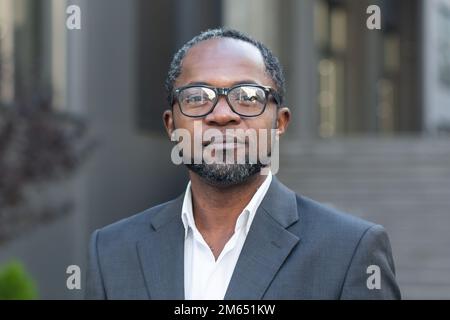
[{"x": 272, "y": 64}]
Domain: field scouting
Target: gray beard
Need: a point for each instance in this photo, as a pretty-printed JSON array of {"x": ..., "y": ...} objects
[{"x": 225, "y": 174}]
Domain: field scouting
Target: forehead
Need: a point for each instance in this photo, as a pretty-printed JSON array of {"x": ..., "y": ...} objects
[{"x": 223, "y": 62}]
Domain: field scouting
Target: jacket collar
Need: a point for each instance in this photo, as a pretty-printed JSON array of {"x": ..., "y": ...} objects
[{"x": 267, "y": 245}]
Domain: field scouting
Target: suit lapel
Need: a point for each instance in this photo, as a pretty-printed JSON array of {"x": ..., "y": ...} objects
[
  {"x": 161, "y": 253},
  {"x": 267, "y": 245}
]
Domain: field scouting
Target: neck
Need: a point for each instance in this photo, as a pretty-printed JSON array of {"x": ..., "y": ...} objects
[{"x": 216, "y": 208}]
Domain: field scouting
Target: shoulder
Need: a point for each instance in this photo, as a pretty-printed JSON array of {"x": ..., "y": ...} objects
[
  {"x": 132, "y": 228},
  {"x": 328, "y": 215},
  {"x": 324, "y": 223}
]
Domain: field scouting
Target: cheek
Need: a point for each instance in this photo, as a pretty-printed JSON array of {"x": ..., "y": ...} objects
[
  {"x": 190, "y": 125},
  {"x": 263, "y": 127},
  {"x": 181, "y": 121},
  {"x": 268, "y": 121}
]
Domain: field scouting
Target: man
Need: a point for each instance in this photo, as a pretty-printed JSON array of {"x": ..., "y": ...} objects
[{"x": 236, "y": 233}]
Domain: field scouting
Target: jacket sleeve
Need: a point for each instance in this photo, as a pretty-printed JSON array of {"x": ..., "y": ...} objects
[
  {"x": 94, "y": 282},
  {"x": 371, "y": 272}
]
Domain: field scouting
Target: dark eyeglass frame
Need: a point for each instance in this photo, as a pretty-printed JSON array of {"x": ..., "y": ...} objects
[{"x": 224, "y": 92}]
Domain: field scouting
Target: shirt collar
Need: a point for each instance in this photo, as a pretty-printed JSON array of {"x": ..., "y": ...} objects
[
  {"x": 244, "y": 219},
  {"x": 187, "y": 215}
]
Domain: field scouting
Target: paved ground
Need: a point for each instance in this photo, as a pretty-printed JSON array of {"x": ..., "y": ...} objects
[{"x": 401, "y": 183}]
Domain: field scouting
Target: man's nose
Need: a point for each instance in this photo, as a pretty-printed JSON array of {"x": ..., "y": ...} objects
[{"x": 222, "y": 114}]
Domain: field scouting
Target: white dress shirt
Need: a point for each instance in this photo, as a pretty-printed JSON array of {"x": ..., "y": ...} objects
[{"x": 204, "y": 277}]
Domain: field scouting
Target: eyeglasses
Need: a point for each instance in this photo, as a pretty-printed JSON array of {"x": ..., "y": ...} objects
[{"x": 248, "y": 100}]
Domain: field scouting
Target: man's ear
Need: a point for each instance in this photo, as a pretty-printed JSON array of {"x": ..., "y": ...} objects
[
  {"x": 283, "y": 118},
  {"x": 168, "y": 122}
]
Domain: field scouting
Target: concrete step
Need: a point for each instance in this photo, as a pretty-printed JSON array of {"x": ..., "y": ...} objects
[{"x": 401, "y": 183}]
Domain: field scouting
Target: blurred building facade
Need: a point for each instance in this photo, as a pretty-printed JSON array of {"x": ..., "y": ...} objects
[{"x": 343, "y": 80}]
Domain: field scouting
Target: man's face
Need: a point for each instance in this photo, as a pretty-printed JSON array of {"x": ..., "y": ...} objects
[{"x": 225, "y": 62}]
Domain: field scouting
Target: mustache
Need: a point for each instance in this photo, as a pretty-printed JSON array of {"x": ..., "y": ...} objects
[{"x": 226, "y": 138}]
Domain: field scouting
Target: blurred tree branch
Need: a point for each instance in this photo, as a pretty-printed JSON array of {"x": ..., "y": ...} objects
[{"x": 37, "y": 145}]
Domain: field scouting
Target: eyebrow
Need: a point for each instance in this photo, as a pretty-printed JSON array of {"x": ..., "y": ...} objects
[{"x": 202, "y": 83}]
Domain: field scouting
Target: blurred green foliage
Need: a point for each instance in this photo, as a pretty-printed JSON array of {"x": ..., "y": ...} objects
[{"x": 16, "y": 283}]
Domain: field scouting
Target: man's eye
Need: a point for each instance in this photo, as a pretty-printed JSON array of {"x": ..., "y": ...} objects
[
  {"x": 251, "y": 98},
  {"x": 194, "y": 99}
]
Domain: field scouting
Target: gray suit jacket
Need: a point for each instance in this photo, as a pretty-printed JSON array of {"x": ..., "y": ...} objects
[{"x": 296, "y": 248}]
